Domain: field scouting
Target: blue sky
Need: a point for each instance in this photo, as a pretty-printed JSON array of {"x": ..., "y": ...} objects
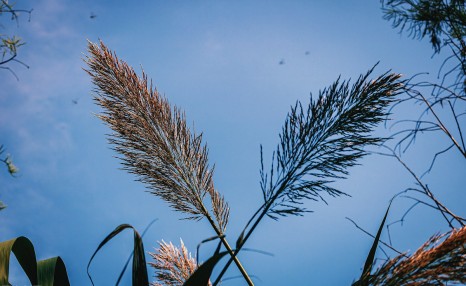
[{"x": 219, "y": 61}]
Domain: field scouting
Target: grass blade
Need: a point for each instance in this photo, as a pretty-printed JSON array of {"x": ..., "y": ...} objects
[
  {"x": 132, "y": 253},
  {"x": 24, "y": 252},
  {"x": 202, "y": 242},
  {"x": 140, "y": 277},
  {"x": 370, "y": 257},
  {"x": 52, "y": 272}
]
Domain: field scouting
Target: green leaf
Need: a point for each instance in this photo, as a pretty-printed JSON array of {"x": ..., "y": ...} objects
[
  {"x": 132, "y": 253},
  {"x": 140, "y": 277},
  {"x": 371, "y": 256},
  {"x": 52, "y": 272},
  {"x": 24, "y": 252}
]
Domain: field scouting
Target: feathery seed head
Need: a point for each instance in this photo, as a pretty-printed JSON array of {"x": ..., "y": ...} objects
[
  {"x": 173, "y": 265},
  {"x": 436, "y": 262},
  {"x": 153, "y": 137}
]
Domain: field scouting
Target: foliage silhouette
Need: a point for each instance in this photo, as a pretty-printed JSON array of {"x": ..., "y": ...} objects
[{"x": 47, "y": 272}]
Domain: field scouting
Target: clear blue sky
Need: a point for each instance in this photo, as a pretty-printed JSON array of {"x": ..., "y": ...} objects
[{"x": 219, "y": 61}]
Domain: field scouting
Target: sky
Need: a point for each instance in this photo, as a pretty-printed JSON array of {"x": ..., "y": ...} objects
[{"x": 220, "y": 62}]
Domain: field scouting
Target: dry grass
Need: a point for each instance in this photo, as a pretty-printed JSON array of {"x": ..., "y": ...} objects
[{"x": 440, "y": 261}]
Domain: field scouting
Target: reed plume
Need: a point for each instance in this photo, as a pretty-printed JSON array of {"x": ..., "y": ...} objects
[
  {"x": 318, "y": 143},
  {"x": 439, "y": 261},
  {"x": 173, "y": 265},
  {"x": 153, "y": 138}
]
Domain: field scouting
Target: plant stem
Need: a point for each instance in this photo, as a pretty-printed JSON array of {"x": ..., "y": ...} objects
[
  {"x": 443, "y": 128},
  {"x": 248, "y": 234},
  {"x": 230, "y": 250},
  {"x": 443, "y": 209}
]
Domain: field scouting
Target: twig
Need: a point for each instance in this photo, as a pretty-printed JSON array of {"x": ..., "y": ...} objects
[{"x": 371, "y": 235}]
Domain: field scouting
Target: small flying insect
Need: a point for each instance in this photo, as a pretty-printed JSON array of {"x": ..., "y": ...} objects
[{"x": 75, "y": 100}]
